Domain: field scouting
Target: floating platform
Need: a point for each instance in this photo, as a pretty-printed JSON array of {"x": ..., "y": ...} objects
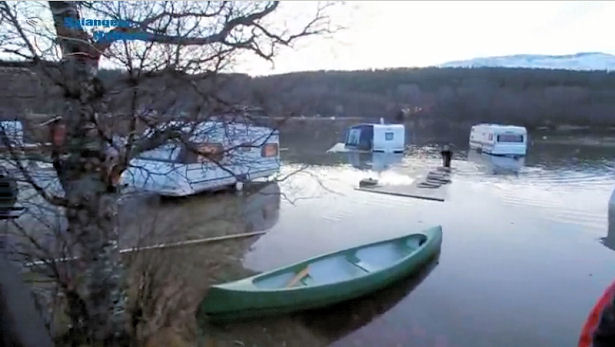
[{"x": 432, "y": 186}]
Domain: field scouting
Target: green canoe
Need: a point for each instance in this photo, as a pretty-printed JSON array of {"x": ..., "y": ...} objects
[{"x": 323, "y": 280}]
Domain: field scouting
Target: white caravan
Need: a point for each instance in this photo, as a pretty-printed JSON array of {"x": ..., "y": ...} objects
[
  {"x": 388, "y": 138},
  {"x": 499, "y": 139},
  {"x": 235, "y": 153},
  {"x": 12, "y": 133}
]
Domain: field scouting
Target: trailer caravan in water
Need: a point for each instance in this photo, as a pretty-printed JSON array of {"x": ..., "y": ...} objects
[
  {"x": 388, "y": 138},
  {"x": 216, "y": 155},
  {"x": 498, "y": 139},
  {"x": 11, "y": 134}
]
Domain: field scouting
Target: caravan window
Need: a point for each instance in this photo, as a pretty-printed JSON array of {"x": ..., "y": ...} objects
[
  {"x": 202, "y": 153},
  {"x": 353, "y": 136},
  {"x": 168, "y": 152},
  {"x": 210, "y": 152},
  {"x": 510, "y": 138}
]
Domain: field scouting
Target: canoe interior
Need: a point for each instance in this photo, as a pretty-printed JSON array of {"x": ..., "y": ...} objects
[{"x": 344, "y": 265}]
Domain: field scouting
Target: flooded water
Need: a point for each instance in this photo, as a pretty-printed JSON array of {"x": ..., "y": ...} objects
[
  {"x": 525, "y": 250},
  {"x": 522, "y": 260}
]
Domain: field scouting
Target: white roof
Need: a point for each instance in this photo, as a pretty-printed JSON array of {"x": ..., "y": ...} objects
[
  {"x": 379, "y": 125},
  {"x": 199, "y": 131},
  {"x": 390, "y": 125},
  {"x": 502, "y": 126}
]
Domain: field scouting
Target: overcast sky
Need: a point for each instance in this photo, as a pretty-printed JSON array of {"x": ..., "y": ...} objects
[{"x": 406, "y": 34}]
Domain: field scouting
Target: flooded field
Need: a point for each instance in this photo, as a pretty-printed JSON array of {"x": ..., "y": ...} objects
[
  {"x": 525, "y": 252},
  {"x": 522, "y": 260}
]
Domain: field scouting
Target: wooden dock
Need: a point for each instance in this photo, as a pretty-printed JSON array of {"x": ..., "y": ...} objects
[{"x": 430, "y": 186}]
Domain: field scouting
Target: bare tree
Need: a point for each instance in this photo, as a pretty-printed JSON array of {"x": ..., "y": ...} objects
[{"x": 172, "y": 56}]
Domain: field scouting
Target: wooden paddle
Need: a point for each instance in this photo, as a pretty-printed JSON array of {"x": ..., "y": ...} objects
[{"x": 298, "y": 277}]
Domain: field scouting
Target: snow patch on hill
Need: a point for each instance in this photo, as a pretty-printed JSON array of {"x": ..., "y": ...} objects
[{"x": 579, "y": 61}]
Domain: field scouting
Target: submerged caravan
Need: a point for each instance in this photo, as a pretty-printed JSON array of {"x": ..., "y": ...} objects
[
  {"x": 499, "y": 139},
  {"x": 216, "y": 155},
  {"x": 379, "y": 137}
]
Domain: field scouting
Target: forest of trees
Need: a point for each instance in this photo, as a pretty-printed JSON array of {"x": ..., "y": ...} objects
[{"x": 530, "y": 97}]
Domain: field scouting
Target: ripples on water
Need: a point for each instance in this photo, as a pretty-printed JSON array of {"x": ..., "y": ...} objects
[
  {"x": 520, "y": 238},
  {"x": 558, "y": 189},
  {"x": 521, "y": 261},
  {"x": 561, "y": 189},
  {"x": 566, "y": 191}
]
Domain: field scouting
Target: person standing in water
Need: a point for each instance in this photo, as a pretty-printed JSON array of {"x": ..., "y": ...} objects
[{"x": 447, "y": 155}]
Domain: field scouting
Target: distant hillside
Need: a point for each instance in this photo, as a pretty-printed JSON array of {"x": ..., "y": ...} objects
[
  {"x": 580, "y": 61},
  {"x": 428, "y": 97},
  {"x": 448, "y": 96}
]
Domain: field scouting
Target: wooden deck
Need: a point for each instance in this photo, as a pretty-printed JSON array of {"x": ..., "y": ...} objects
[{"x": 436, "y": 191}]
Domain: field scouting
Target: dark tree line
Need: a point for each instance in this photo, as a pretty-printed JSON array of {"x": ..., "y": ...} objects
[{"x": 532, "y": 97}]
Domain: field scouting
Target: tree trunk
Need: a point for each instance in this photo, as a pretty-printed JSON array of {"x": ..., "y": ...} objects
[
  {"x": 97, "y": 302},
  {"x": 99, "y": 270},
  {"x": 92, "y": 220},
  {"x": 95, "y": 297}
]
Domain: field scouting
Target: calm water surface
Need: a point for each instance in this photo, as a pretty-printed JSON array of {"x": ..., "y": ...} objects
[
  {"x": 522, "y": 261},
  {"x": 525, "y": 251}
]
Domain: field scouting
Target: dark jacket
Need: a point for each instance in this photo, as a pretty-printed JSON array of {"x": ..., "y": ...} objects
[
  {"x": 604, "y": 335},
  {"x": 599, "y": 328}
]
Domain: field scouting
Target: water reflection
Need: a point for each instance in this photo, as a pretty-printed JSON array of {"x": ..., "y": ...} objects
[
  {"x": 260, "y": 209},
  {"x": 318, "y": 327},
  {"x": 205, "y": 215},
  {"x": 496, "y": 165},
  {"x": 524, "y": 217},
  {"x": 336, "y": 321},
  {"x": 167, "y": 285},
  {"x": 609, "y": 240},
  {"x": 376, "y": 161},
  {"x": 557, "y": 199}
]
